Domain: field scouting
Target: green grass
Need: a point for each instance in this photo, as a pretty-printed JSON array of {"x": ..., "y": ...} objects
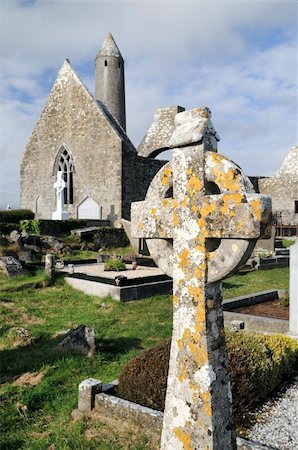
[
  {"x": 37, "y": 417},
  {"x": 260, "y": 280}
]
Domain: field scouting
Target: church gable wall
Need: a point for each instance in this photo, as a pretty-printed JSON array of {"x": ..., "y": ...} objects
[{"x": 72, "y": 119}]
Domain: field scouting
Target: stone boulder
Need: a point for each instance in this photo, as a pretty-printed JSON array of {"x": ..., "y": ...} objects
[
  {"x": 81, "y": 340},
  {"x": 14, "y": 236},
  {"x": 11, "y": 266}
]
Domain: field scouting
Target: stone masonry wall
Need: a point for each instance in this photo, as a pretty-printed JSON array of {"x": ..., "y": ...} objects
[
  {"x": 137, "y": 175},
  {"x": 283, "y": 188},
  {"x": 72, "y": 118}
]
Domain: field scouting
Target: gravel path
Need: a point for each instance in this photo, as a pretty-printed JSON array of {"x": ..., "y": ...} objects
[{"x": 277, "y": 423}]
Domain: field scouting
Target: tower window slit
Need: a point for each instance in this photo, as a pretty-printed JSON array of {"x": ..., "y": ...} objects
[{"x": 106, "y": 62}]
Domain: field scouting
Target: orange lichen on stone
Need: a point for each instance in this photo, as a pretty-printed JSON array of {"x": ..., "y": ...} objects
[
  {"x": 201, "y": 248},
  {"x": 183, "y": 257},
  {"x": 183, "y": 375},
  {"x": 208, "y": 209},
  {"x": 183, "y": 437},
  {"x": 196, "y": 293},
  {"x": 175, "y": 299},
  {"x": 228, "y": 180},
  {"x": 256, "y": 206},
  {"x": 239, "y": 225},
  {"x": 230, "y": 200},
  {"x": 167, "y": 173},
  {"x": 165, "y": 202},
  {"x": 175, "y": 219},
  {"x": 184, "y": 202},
  {"x": 194, "y": 184},
  {"x": 199, "y": 353},
  {"x": 216, "y": 158},
  {"x": 206, "y": 397},
  {"x": 201, "y": 223},
  {"x": 195, "y": 209},
  {"x": 140, "y": 226},
  {"x": 175, "y": 203}
]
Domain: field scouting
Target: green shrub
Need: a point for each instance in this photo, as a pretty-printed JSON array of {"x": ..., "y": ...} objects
[
  {"x": 257, "y": 365},
  {"x": 15, "y": 215},
  {"x": 31, "y": 226},
  {"x": 284, "y": 299},
  {"x": 115, "y": 264},
  {"x": 7, "y": 228}
]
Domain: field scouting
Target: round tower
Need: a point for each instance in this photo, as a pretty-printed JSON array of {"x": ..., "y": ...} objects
[{"x": 109, "y": 79}]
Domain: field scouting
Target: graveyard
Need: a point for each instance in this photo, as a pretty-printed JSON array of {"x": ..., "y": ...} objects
[
  {"x": 39, "y": 385},
  {"x": 174, "y": 350},
  {"x": 145, "y": 303}
]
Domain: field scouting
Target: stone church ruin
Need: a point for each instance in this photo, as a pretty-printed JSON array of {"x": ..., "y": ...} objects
[{"x": 84, "y": 137}]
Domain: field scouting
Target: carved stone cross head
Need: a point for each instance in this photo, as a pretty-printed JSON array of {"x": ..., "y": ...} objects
[{"x": 201, "y": 219}]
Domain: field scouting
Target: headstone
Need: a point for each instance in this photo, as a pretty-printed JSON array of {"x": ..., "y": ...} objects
[
  {"x": 11, "y": 266},
  {"x": 60, "y": 213},
  {"x": 293, "y": 322},
  {"x": 213, "y": 220},
  {"x": 81, "y": 340},
  {"x": 50, "y": 265}
]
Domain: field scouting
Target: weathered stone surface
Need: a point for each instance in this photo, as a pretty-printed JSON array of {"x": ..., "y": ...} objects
[
  {"x": 283, "y": 189},
  {"x": 81, "y": 340},
  {"x": 159, "y": 133},
  {"x": 14, "y": 236},
  {"x": 87, "y": 391},
  {"x": 212, "y": 201},
  {"x": 11, "y": 266},
  {"x": 50, "y": 265}
]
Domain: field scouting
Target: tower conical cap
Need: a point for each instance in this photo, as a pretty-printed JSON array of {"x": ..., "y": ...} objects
[{"x": 109, "y": 47}]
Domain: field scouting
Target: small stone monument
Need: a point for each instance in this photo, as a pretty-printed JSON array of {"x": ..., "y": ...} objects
[
  {"x": 201, "y": 219},
  {"x": 60, "y": 213},
  {"x": 50, "y": 265}
]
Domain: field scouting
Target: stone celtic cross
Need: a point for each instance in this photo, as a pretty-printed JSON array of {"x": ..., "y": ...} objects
[{"x": 201, "y": 219}]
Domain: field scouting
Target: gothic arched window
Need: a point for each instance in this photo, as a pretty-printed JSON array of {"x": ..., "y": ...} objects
[{"x": 65, "y": 165}]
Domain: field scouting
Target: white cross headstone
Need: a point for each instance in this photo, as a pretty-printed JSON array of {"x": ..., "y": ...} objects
[{"x": 60, "y": 213}]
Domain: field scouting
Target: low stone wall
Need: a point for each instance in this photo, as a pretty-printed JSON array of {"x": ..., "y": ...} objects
[{"x": 93, "y": 395}]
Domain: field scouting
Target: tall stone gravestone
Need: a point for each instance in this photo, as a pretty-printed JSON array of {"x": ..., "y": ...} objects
[{"x": 201, "y": 219}]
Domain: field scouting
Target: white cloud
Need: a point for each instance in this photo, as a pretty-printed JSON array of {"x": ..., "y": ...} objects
[{"x": 239, "y": 58}]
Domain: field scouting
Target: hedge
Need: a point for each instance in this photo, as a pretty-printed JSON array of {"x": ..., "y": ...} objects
[
  {"x": 7, "y": 228},
  {"x": 15, "y": 215},
  {"x": 52, "y": 227},
  {"x": 258, "y": 364}
]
